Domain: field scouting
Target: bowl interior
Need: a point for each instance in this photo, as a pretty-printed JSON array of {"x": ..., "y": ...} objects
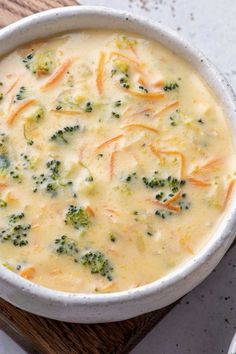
[{"x": 62, "y": 20}]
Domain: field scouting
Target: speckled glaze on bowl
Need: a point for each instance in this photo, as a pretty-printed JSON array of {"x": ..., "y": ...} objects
[{"x": 92, "y": 308}]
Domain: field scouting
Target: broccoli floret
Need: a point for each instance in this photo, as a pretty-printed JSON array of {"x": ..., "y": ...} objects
[
  {"x": 4, "y": 162},
  {"x": 77, "y": 217},
  {"x": 30, "y": 121},
  {"x": 22, "y": 93},
  {"x": 163, "y": 213},
  {"x": 88, "y": 107},
  {"x": 15, "y": 232},
  {"x": 115, "y": 115},
  {"x": 112, "y": 237},
  {"x": 154, "y": 182},
  {"x": 41, "y": 63},
  {"x": 171, "y": 86},
  {"x": 173, "y": 183},
  {"x": 16, "y": 217},
  {"x": 62, "y": 135},
  {"x": 53, "y": 167},
  {"x": 143, "y": 89},
  {"x": 16, "y": 175},
  {"x": 97, "y": 263},
  {"x": 28, "y": 60},
  {"x": 3, "y": 204},
  {"x": 3, "y": 145},
  {"x": 50, "y": 181},
  {"x": 118, "y": 103},
  {"x": 65, "y": 245},
  {"x": 124, "y": 81},
  {"x": 183, "y": 202}
]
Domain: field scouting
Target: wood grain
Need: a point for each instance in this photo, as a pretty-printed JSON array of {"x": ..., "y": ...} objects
[
  {"x": 40, "y": 335},
  {"x": 48, "y": 336},
  {"x": 13, "y": 10}
]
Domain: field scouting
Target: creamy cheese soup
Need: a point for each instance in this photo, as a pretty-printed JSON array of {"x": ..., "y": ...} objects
[{"x": 116, "y": 161}]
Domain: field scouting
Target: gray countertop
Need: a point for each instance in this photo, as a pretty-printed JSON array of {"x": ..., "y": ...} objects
[{"x": 205, "y": 320}]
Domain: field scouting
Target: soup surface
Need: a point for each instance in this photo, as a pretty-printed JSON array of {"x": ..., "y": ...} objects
[{"x": 116, "y": 161}]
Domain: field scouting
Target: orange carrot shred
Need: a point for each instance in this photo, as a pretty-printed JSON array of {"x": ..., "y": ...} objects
[
  {"x": 100, "y": 72},
  {"x": 148, "y": 95},
  {"x": 171, "y": 152},
  {"x": 210, "y": 165},
  {"x": 57, "y": 75},
  {"x": 135, "y": 62},
  {"x": 142, "y": 81},
  {"x": 13, "y": 85},
  {"x": 158, "y": 83},
  {"x": 112, "y": 163},
  {"x": 142, "y": 126},
  {"x": 3, "y": 185},
  {"x": 112, "y": 211},
  {"x": 165, "y": 205},
  {"x": 167, "y": 106},
  {"x": 198, "y": 182},
  {"x": 13, "y": 115},
  {"x": 28, "y": 273},
  {"x": 90, "y": 211},
  {"x": 174, "y": 198},
  {"x": 228, "y": 193},
  {"x": 145, "y": 110},
  {"x": 108, "y": 142}
]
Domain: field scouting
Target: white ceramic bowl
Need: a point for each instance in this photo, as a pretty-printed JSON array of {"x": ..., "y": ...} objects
[
  {"x": 89, "y": 308},
  {"x": 232, "y": 348}
]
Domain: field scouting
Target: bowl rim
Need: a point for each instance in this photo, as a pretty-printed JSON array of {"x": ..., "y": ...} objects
[
  {"x": 232, "y": 348},
  {"x": 223, "y": 230}
]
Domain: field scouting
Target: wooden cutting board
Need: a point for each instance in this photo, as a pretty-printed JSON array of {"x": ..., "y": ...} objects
[{"x": 37, "y": 334}]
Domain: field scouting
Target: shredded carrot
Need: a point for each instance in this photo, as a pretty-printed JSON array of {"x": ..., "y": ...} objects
[
  {"x": 210, "y": 165},
  {"x": 10, "y": 199},
  {"x": 100, "y": 72},
  {"x": 112, "y": 163},
  {"x": 109, "y": 286},
  {"x": 3, "y": 185},
  {"x": 165, "y": 205},
  {"x": 142, "y": 81},
  {"x": 108, "y": 142},
  {"x": 174, "y": 198},
  {"x": 57, "y": 75},
  {"x": 171, "y": 152},
  {"x": 198, "y": 182},
  {"x": 135, "y": 62},
  {"x": 12, "y": 117},
  {"x": 167, "y": 106},
  {"x": 35, "y": 226},
  {"x": 13, "y": 85},
  {"x": 90, "y": 211},
  {"x": 148, "y": 95},
  {"x": 158, "y": 83},
  {"x": 142, "y": 126},
  {"x": 228, "y": 193},
  {"x": 112, "y": 211},
  {"x": 126, "y": 110},
  {"x": 143, "y": 111},
  {"x": 28, "y": 273}
]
